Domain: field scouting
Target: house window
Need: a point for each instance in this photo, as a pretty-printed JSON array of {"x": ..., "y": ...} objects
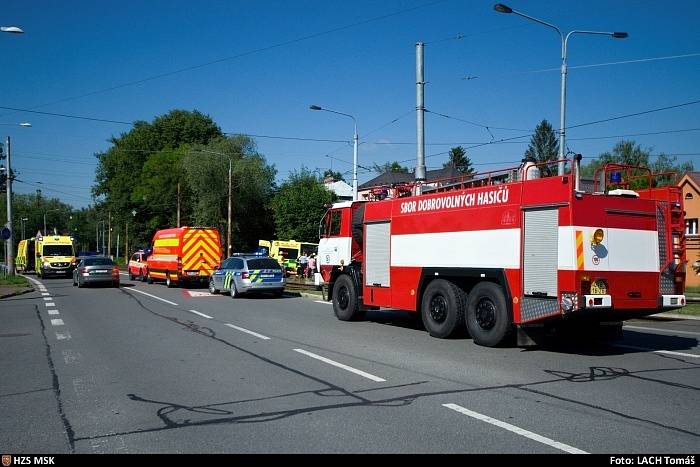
[
  {"x": 688, "y": 196},
  {"x": 691, "y": 226}
]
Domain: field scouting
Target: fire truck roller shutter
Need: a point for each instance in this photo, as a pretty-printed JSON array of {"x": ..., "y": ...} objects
[
  {"x": 377, "y": 247},
  {"x": 442, "y": 308}
]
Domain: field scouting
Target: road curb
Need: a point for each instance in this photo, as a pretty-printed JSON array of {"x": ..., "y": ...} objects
[
  {"x": 662, "y": 316},
  {"x": 22, "y": 291}
]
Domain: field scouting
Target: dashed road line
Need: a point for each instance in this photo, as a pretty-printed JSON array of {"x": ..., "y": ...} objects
[
  {"x": 48, "y": 299},
  {"x": 247, "y": 331},
  {"x": 152, "y": 296},
  {"x": 200, "y": 314},
  {"x": 45, "y": 293},
  {"x": 321, "y": 301},
  {"x": 63, "y": 335},
  {"x": 340, "y": 365},
  {"x": 670, "y": 331},
  {"x": 57, "y": 322},
  {"x": 53, "y": 311},
  {"x": 48, "y": 304},
  {"x": 515, "y": 429},
  {"x": 665, "y": 352}
]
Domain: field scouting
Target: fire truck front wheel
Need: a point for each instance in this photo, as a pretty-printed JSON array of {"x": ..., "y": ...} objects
[
  {"x": 345, "y": 302},
  {"x": 487, "y": 315},
  {"x": 442, "y": 308}
]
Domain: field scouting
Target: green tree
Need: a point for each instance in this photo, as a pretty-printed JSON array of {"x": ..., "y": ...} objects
[
  {"x": 628, "y": 152},
  {"x": 119, "y": 170},
  {"x": 543, "y": 143},
  {"x": 390, "y": 167},
  {"x": 460, "y": 161},
  {"x": 157, "y": 191},
  {"x": 336, "y": 176},
  {"x": 205, "y": 169},
  {"x": 299, "y": 205}
]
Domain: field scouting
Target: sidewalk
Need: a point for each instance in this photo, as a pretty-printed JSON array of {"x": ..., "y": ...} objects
[{"x": 12, "y": 290}]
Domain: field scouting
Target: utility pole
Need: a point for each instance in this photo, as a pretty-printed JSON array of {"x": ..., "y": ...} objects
[
  {"x": 178, "y": 204},
  {"x": 109, "y": 233},
  {"x": 228, "y": 226},
  {"x": 126, "y": 241},
  {"x": 10, "y": 253},
  {"x": 420, "y": 114}
]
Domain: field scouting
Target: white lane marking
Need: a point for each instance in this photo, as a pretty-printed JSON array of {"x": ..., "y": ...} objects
[
  {"x": 45, "y": 293},
  {"x": 57, "y": 322},
  {"x": 247, "y": 331},
  {"x": 197, "y": 294},
  {"x": 123, "y": 274},
  {"x": 63, "y": 335},
  {"x": 340, "y": 365},
  {"x": 152, "y": 296},
  {"x": 671, "y": 331},
  {"x": 200, "y": 314},
  {"x": 48, "y": 299},
  {"x": 53, "y": 311},
  {"x": 321, "y": 301},
  {"x": 71, "y": 357},
  {"x": 515, "y": 429},
  {"x": 50, "y": 304},
  {"x": 645, "y": 349}
]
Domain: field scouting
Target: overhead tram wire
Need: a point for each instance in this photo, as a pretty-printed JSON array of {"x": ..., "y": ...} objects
[
  {"x": 242, "y": 54},
  {"x": 44, "y": 187},
  {"x": 590, "y": 65}
]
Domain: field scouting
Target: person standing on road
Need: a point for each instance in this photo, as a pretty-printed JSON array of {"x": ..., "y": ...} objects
[
  {"x": 312, "y": 265},
  {"x": 303, "y": 264}
]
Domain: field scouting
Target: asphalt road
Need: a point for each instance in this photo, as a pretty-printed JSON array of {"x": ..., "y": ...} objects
[{"x": 146, "y": 369}]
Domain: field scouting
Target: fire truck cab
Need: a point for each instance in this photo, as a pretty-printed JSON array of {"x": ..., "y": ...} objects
[{"x": 498, "y": 256}]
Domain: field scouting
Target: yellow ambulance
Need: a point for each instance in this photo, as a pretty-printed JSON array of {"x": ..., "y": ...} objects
[{"x": 55, "y": 255}]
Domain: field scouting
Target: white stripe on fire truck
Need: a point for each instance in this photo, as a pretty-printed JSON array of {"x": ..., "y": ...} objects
[
  {"x": 498, "y": 248},
  {"x": 624, "y": 250}
]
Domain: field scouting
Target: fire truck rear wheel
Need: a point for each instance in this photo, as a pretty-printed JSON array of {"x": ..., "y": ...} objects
[
  {"x": 487, "y": 315},
  {"x": 442, "y": 308},
  {"x": 345, "y": 303}
]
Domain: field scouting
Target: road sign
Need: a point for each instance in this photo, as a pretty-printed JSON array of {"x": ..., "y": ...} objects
[{"x": 5, "y": 233}]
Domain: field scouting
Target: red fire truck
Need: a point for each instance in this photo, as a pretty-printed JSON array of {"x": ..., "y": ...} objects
[{"x": 507, "y": 257}]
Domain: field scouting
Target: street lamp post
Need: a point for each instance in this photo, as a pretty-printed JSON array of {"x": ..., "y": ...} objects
[
  {"x": 355, "y": 139},
  {"x": 23, "y": 220},
  {"x": 9, "y": 242},
  {"x": 228, "y": 223},
  {"x": 501, "y": 8}
]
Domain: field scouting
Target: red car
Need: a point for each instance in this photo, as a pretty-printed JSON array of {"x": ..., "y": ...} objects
[{"x": 138, "y": 266}]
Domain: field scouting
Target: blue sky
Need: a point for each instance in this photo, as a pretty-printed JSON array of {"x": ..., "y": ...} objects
[{"x": 71, "y": 49}]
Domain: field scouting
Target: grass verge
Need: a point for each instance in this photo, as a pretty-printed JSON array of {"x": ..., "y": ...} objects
[
  {"x": 690, "y": 309},
  {"x": 13, "y": 280}
]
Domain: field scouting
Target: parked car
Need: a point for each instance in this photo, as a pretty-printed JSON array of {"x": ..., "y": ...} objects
[
  {"x": 138, "y": 267},
  {"x": 242, "y": 274},
  {"x": 96, "y": 270}
]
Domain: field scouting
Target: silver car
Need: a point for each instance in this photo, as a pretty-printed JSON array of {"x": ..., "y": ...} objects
[
  {"x": 96, "y": 270},
  {"x": 248, "y": 273}
]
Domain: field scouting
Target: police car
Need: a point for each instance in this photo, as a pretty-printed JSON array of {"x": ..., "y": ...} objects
[{"x": 244, "y": 273}]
